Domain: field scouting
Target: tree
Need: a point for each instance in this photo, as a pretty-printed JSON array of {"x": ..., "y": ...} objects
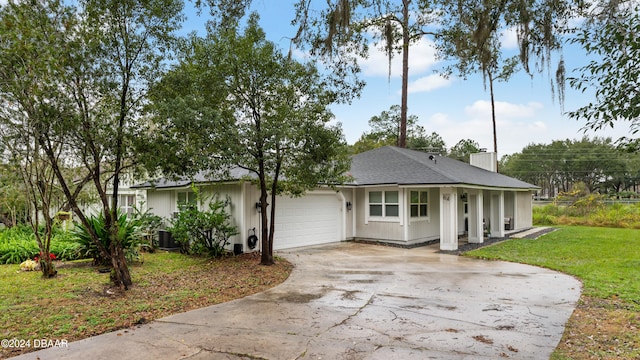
[
  {"x": 39, "y": 181},
  {"x": 611, "y": 35},
  {"x": 557, "y": 167},
  {"x": 463, "y": 149},
  {"x": 474, "y": 43},
  {"x": 432, "y": 143},
  {"x": 13, "y": 201},
  {"x": 339, "y": 33},
  {"x": 385, "y": 130},
  {"x": 473, "y": 40},
  {"x": 235, "y": 100},
  {"x": 80, "y": 85},
  {"x": 31, "y": 106}
]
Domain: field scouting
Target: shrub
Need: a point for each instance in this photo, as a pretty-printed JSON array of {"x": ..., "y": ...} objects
[
  {"x": 19, "y": 244},
  {"x": 589, "y": 210},
  {"x": 127, "y": 235},
  {"x": 17, "y": 251},
  {"x": 147, "y": 229},
  {"x": 200, "y": 232},
  {"x": 66, "y": 249}
]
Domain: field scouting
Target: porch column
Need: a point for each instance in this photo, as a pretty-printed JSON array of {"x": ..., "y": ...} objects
[
  {"x": 448, "y": 218},
  {"x": 475, "y": 202},
  {"x": 497, "y": 214}
]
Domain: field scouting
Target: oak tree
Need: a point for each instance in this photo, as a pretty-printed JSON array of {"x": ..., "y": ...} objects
[{"x": 235, "y": 100}]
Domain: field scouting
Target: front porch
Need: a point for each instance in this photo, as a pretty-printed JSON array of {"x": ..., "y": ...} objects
[
  {"x": 532, "y": 233},
  {"x": 473, "y": 215}
]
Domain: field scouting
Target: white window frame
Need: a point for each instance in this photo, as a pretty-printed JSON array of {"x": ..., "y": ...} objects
[
  {"x": 123, "y": 204},
  {"x": 384, "y": 217},
  {"x": 419, "y": 204}
]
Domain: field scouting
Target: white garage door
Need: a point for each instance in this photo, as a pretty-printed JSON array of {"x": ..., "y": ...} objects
[{"x": 309, "y": 220}]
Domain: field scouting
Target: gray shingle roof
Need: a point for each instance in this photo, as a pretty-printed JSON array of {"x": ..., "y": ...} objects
[
  {"x": 393, "y": 165},
  {"x": 235, "y": 173},
  {"x": 387, "y": 165}
]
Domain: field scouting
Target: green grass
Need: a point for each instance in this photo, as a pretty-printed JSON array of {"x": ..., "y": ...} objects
[
  {"x": 80, "y": 301},
  {"x": 606, "y": 260}
]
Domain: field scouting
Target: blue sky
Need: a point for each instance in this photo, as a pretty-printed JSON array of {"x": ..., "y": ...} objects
[{"x": 454, "y": 108}]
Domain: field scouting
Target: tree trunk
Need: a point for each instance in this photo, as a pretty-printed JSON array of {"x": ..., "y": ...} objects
[
  {"x": 120, "y": 276},
  {"x": 493, "y": 118},
  {"x": 405, "y": 74},
  {"x": 266, "y": 256},
  {"x": 272, "y": 225},
  {"x": 47, "y": 267}
]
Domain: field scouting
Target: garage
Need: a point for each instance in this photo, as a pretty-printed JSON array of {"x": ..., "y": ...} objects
[{"x": 313, "y": 219}]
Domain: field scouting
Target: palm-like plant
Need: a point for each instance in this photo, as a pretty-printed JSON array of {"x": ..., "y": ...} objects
[{"x": 127, "y": 235}]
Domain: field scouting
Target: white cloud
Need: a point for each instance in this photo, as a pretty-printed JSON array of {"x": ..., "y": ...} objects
[
  {"x": 482, "y": 108},
  {"x": 537, "y": 126},
  {"x": 439, "y": 119},
  {"x": 509, "y": 38},
  {"x": 421, "y": 58},
  {"x": 300, "y": 54},
  {"x": 428, "y": 83}
]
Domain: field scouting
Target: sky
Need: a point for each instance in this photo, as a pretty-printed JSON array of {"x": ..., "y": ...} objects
[{"x": 456, "y": 109}]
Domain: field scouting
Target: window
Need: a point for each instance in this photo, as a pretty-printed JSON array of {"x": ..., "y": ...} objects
[
  {"x": 186, "y": 198},
  {"x": 383, "y": 203},
  {"x": 419, "y": 204},
  {"x": 126, "y": 203}
]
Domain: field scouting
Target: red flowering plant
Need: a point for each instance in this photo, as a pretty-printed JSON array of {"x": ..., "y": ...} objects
[{"x": 52, "y": 256}]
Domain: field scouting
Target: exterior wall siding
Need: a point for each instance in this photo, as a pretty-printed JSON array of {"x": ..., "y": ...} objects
[
  {"x": 421, "y": 230},
  {"x": 509, "y": 204},
  {"x": 349, "y": 196},
  {"x": 356, "y": 225},
  {"x": 524, "y": 210},
  {"x": 251, "y": 215},
  {"x": 231, "y": 193},
  {"x": 374, "y": 230},
  {"x": 161, "y": 203}
]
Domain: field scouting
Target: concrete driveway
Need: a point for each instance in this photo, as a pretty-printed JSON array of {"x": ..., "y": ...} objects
[{"x": 358, "y": 301}]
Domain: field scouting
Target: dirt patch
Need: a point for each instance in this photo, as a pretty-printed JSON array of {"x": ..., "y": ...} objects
[
  {"x": 505, "y": 327},
  {"x": 483, "y": 339},
  {"x": 367, "y": 272},
  {"x": 602, "y": 329},
  {"x": 364, "y": 281},
  {"x": 350, "y": 295},
  {"x": 299, "y": 298}
]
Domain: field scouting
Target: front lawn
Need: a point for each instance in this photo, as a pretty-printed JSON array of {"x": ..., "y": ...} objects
[
  {"x": 80, "y": 302},
  {"x": 606, "y": 322}
]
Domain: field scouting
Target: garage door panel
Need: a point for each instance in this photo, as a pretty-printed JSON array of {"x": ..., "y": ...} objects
[{"x": 310, "y": 220}]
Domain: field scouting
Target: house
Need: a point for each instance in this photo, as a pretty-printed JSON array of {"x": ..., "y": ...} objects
[
  {"x": 129, "y": 197},
  {"x": 397, "y": 196}
]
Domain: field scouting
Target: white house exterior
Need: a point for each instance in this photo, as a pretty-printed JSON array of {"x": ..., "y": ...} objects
[{"x": 397, "y": 196}]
